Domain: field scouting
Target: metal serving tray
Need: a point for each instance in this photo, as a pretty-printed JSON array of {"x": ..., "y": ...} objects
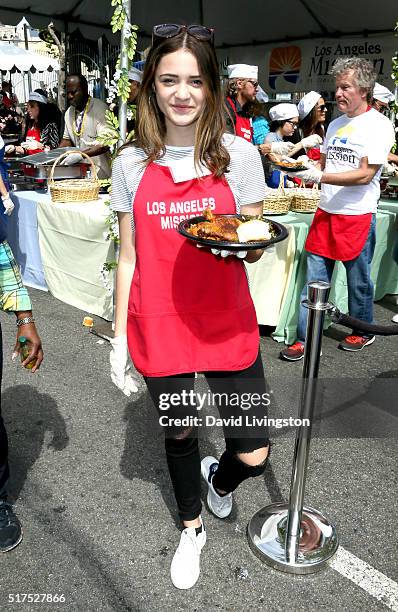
[
  {"x": 45, "y": 158},
  {"x": 39, "y": 165}
]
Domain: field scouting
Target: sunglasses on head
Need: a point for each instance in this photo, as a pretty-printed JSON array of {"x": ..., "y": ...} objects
[{"x": 169, "y": 30}]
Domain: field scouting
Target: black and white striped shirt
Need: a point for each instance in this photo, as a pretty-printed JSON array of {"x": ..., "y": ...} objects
[{"x": 245, "y": 176}]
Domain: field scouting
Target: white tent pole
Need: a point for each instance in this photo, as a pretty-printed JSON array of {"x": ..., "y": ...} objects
[
  {"x": 25, "y": 31},
  {"x": 26, "y": 94},
  {"x": 124, "y": 63}
]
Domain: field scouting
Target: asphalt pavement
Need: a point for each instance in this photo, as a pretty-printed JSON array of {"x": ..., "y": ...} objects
[{"x": 92, "y": 490}]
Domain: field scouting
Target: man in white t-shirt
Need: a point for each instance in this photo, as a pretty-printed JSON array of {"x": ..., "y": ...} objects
[
  {"x": 84, "y": 122},
  {"x": 355, "y": 148}
]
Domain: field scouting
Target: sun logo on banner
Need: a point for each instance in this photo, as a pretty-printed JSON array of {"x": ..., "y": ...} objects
[{"x": 284, "y": 62}]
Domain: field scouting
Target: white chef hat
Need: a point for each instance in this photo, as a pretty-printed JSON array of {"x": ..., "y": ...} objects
[
  {"x": 261, "y": 95},
  {"x": 307, "y": 103},
  {"x": 283, "y": 111},
  {"x": 34, "y": 96},
  {"x": 135, "y": 74},
  {"x": 242, "y": 71},
  {"x": 382, "y": 94}
]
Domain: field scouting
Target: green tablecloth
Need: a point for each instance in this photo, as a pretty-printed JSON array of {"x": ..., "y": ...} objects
[{"x": 384, "y": 270}]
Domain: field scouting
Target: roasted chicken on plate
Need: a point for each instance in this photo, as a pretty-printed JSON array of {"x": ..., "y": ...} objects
[{"x": 229, "y": 229}]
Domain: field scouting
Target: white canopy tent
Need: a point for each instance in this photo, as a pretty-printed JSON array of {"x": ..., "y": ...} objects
[
  {"x": 236, "y": 23},
  {"x": 12, "y": 56},
  {"x": 244, "y": 32}
]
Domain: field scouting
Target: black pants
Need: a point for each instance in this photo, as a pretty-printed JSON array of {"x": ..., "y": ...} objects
[
  {"x": 4, "y": 471},
  {"x": 182, "y": 448}
]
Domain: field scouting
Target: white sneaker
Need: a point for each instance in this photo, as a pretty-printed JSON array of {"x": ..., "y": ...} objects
[
  {"x": 185, "y": 566},
  {"x": 219, "y": 505},
  {"x": 395, "y": 318}
]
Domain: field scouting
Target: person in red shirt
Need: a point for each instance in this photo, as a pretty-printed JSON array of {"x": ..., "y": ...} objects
[
  {"x": 344, "y": 227},
  {"x": 242, "y": 90},
  {"x": 41, "y": 130},
  {"x": 184, "y": 309},
  {"x": 7, "y": 98}
]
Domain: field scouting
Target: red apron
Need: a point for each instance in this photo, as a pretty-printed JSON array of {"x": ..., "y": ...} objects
[
  {"x": 339, "y": 237},
  {"x": 35, "y": 134},
  {"x": 243, "y": 126},
  {"x": 188, "y": 311}
]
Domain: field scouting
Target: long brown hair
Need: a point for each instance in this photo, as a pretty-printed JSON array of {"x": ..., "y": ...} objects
[
  {"x": 210, "y": 127},
  {"x": 310, "y": 124}
]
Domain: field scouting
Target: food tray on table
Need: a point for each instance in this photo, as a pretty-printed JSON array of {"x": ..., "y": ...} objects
[{"x": 277, "y": 230}]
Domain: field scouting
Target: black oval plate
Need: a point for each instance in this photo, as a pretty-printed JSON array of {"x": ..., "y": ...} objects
[
  {"x": 286, "y": 169},
  {"x": 278, "y": 230}
]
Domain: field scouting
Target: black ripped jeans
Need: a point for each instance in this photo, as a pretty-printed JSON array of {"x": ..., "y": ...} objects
[{"x": 181, "y": 442}]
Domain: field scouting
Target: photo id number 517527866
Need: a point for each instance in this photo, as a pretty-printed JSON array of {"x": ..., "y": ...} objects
[{"x": 36, "y": 598}]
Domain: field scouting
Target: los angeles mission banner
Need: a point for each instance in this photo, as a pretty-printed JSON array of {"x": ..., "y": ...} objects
[{"x": 304, "y": 65}]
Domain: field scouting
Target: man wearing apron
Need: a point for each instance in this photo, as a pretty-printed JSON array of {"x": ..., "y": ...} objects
[
  {"x": 242, "y": 88},
  {"x": 355, "y": 148}
]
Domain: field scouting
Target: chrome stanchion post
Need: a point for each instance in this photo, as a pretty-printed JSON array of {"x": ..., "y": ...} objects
[{"x": 290, "y": 537}]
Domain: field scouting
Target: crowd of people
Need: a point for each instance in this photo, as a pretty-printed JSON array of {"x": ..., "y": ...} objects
[
  {"x": 44, "y": 127},
  {"x": 198, "y": 144}
]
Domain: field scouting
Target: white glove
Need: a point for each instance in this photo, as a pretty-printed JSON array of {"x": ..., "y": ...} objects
[
  {"x": 32, "y": 145},
  {"x": 121, "y": 372},
  {"x": 73, "y": 158},
  {"x": 9, "y": 149},
  {"x": 225, "y": 253},
  {"x": 388, "y": 169},
  {"x": 313, "y": 175},
  {"x": 281, "y": 148},
  {"x": 311, "y": 141},
  {"x": 304, "y": 159},
  {"x": 8, "y": 204}
]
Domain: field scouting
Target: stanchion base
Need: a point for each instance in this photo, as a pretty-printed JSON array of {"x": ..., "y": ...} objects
[{"x": 266, "y": 533}]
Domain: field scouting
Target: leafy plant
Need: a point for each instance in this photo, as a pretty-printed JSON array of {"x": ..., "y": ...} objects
[{"x": 111, "y": 135}]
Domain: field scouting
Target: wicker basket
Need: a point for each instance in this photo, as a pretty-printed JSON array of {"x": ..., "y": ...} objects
[
  {"x": 278, "y": 201},
  {"x": 74, "y": 190},
  {"x": 305, "y": 199}
]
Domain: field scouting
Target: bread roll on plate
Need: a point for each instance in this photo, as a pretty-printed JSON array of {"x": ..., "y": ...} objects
[{"x": 253, "y": 230}]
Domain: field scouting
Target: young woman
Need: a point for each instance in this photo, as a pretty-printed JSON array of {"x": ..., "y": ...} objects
[
  {"x": 312, "y": 113},
  {"x": 185, "y": 309},
  {"x": 41, "y": 130},
  {"x": 284, "y": 122}
]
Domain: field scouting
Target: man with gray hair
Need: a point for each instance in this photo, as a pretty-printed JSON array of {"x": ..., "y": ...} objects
[{"x": 344, "y": 227}]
